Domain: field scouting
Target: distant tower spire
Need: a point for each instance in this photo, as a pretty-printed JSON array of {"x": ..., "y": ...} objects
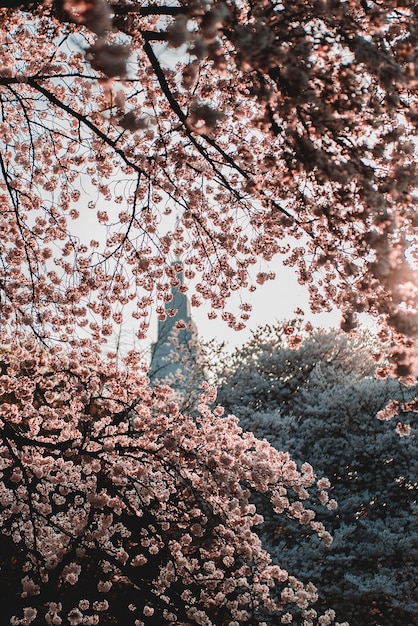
[{"x": 174, "y": 356}]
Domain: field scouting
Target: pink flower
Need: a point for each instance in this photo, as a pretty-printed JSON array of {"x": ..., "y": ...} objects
[
  {"x": 148, "y": 611},
  {"x": 403, "y": 430}
]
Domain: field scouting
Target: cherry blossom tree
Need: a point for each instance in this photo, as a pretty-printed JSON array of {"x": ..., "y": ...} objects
[
  {"x": 328, "y": 418},
  {"x": 265, "y": 127},
  {"x": 116, "y": 508}
]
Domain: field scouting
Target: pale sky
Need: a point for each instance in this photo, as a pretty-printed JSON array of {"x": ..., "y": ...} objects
[{"x": 274, "y": 301}]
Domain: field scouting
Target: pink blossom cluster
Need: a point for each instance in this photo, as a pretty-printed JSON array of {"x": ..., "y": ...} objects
[
  {"x": 284, "y": 130},
  {"x": 110, "y": 495}
]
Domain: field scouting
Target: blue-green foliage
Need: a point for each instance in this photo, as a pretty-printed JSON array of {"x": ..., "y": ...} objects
[{"x": 320, "y": 404}]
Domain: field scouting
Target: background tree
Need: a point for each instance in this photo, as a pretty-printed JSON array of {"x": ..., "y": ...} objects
[
  {"x": 320, "y": 401},
  {"x": 280, "y": 362}
]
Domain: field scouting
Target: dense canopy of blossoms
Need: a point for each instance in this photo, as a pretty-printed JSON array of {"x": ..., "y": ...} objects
[
  {"x": 121, "y": 510},
  {"x": 264, "y": 128}
]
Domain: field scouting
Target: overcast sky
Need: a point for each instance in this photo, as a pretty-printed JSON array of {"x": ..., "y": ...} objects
[{"x": 272, "y": 302}]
